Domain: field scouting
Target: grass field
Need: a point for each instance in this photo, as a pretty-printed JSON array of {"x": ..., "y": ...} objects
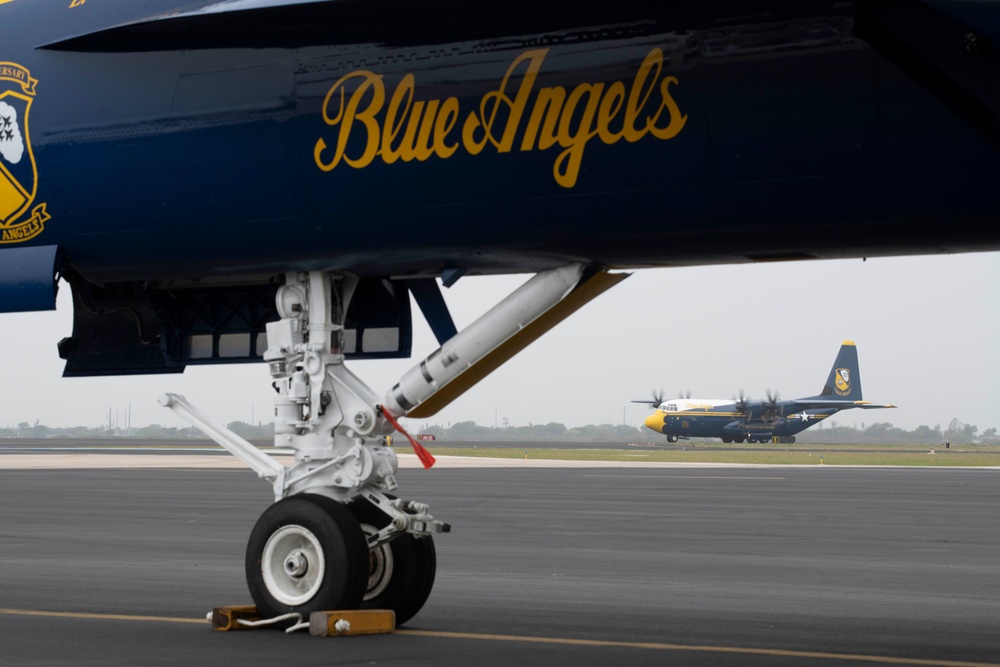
[{"x": 868, "y": 455}]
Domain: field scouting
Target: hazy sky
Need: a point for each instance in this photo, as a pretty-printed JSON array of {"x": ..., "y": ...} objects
[{"x": 926, "y": 330}]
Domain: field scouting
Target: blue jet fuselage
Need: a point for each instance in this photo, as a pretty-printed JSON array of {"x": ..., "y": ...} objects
[{"x": 170, "y": 139}]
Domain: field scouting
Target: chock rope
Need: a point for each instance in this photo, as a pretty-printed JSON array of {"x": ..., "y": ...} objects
[{"x": 300, "y": 625}]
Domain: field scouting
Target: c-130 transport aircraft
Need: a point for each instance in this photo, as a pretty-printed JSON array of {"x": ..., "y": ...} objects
[
  {"x": 762, "y": 420},
  {"x": 271, "y": 180}
]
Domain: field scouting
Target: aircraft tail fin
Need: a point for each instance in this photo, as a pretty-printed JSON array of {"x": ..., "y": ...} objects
[{"x": 844, "y": 382}]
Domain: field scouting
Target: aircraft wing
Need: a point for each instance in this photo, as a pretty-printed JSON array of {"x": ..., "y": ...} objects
[{"x": 807, "y": 403}]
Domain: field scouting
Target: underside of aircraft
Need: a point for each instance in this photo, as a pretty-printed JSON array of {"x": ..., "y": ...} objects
[{"x": 271, "y": 181}]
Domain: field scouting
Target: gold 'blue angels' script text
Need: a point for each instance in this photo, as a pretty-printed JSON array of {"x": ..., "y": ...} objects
[{"x": 407, "y": 129}]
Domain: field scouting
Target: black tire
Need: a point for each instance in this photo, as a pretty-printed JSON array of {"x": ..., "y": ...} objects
[
  {"x": 323, "y": 539},
  {"x": 400, "y": 573}
]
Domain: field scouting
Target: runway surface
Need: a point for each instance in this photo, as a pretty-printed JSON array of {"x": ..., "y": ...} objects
[{"x": 117, "y": 564}]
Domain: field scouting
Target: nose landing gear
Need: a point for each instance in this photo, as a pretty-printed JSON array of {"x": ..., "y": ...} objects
[{"x": 336, "y": 538}]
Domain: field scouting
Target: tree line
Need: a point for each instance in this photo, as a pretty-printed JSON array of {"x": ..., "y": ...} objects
[
  {"x": 152, "y": 432},
  {"x": 957, "y": 432}
]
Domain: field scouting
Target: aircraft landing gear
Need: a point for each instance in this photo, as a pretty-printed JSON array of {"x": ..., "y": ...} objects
[
  {"x": 671, "y": 438},
  {"x": 335, "y": 538},
  {"x": 308, "y": 551}
]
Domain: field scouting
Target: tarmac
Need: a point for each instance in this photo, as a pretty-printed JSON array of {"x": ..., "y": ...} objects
[{"x": 115, "y": 558}]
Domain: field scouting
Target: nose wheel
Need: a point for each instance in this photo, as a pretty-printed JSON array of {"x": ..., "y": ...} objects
[
  {"x": 306, "y": 553},
  {"x": 401, "y": 572}
]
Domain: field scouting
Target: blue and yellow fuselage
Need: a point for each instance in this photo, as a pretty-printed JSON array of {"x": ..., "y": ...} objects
[{"x": 714, "y": 419}]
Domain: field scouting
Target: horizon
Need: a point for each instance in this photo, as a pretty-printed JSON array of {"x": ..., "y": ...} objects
[{"x": 923, "y": 326}]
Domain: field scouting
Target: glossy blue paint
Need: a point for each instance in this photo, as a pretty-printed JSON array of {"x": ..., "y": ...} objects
[
  {"x": 28, "y": 278},
  {"x": 800, "y": 140}
]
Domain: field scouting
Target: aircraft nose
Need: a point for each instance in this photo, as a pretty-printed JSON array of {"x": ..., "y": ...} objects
[{"x": 655, "y": 422}]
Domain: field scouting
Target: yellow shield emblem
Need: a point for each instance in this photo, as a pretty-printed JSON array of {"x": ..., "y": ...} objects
[
  {"x": 20, "y": 217},
  {"x": 843, "y": 381}
]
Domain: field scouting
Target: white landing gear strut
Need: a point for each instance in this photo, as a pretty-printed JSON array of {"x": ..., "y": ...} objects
[{"x": 336, "y": 536}]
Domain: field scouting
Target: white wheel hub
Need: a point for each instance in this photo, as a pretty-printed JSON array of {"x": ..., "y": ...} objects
[
  {"x": 293, "y": 565},
  {"x": 380, "y": 566}
]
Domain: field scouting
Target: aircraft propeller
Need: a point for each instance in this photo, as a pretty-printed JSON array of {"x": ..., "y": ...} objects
[
  {"x": 656, "y": 400},
  {"x": 741, "y": 403},
  {"x": 684, "y": 394},
  {"x": 771, "y": 406}
]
